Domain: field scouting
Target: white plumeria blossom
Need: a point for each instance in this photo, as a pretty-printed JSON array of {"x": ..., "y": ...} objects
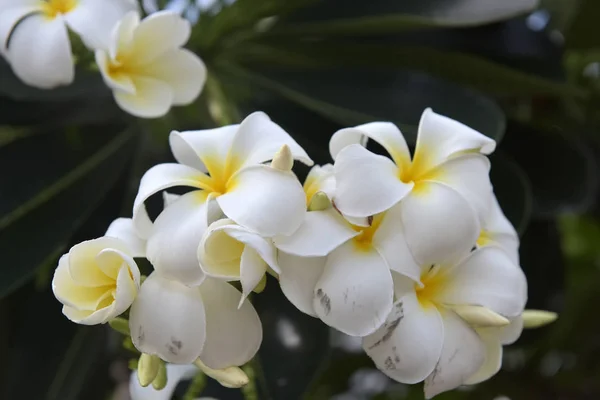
[
  {"x": 497, "y": 230},
  {"x": 146, "y": 67},
  {"x": 96, "y": 281},
  {"x": 443, "y": 191},
  {"x": 34, "y": 35},
  {"x": 433, "y": 332},
  {"x": 227, "y": 166},
  {"x": 231, "y": 252}
]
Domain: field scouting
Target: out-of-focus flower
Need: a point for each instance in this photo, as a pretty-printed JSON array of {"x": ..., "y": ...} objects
[
  {"x": 443, "y": 191},
  {"x": 231, "y": 252},
  {"x": 34, "y": 35},
  {"x": 96, "y": 281},
  {"x": 146, "y": 67},
  {"x": 431, "y": 332},
  {"x": 497, "y": 230},
  {"x": 180, "y": 324}
]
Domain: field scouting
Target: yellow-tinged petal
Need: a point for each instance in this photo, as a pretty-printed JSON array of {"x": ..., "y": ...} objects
[{"x": 538, "y": 318}]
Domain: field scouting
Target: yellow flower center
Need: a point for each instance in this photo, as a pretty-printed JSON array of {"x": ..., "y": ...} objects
[
  {"x": 433, "y": 282},
  {"x": 484, "y": 238},
  {"x": 220, "y": 178},
  {"x": 365, "y": 239},
  {"x": 52, "y": 8}
]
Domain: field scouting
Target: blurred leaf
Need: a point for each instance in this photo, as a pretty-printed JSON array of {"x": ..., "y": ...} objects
[
  {"x": 560, "y": 165},
  {"x": 455, "y": 66},
  {"x": 352, "y": 97},
  {"x": 349, "y": 17},
  {"x": 584, "y": 31},
  {"x": 57, "y": 180},
  {"x": 294, "y": 346},
  {"x": 513, "y": 190}
]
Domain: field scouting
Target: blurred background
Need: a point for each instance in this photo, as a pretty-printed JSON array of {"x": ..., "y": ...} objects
[{"x": 524, "y": 72}]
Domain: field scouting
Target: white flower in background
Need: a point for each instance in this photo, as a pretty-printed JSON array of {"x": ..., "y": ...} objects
[
  {"x": 146, "y": 67},
  {"x": 444, "y": 191},
  {"x": 233, "y": 253},
  {"x": 96, "y": 281},
  {"x": 497, "y": 230},
  {"x": 226, "y": 164},
  {"x": 180, "y": 324},
  {"x": 34, "y": 35},
  {"x": 431, "y": 332}
]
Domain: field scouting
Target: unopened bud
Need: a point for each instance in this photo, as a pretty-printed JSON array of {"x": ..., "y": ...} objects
[
  {"x": 120, "y": 325},
  {"x": 283, "y": 159},
  {"x": 480, "y": 316},
  {"x": 148, "y": 367},
  {"x": 319, "y": 202},
  {"x": 160, "y": 381},
  {"x": 230, "y": 377},
  {"x": 537, "y": 318}
]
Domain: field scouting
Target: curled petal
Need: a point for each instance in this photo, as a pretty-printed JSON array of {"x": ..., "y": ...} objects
[
  {"x": 408, "y": 345},
  {"x": 233, "y": 335},
  {"x": 355, "y": 292},
  {"x": 492, "y": 363},
  {"x": 167, "y": 319},
  {"x": 210, "y": 146},
  {"x": 366, "y": 183},
  {"x": 266, "y": 200},
  {"x": 298, "y": 278},
  {"x": 462, "y": 355},
  {"x": 122, "y": 228}
]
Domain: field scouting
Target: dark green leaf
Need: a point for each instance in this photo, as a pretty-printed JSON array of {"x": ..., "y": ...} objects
[
  {"x": 343, "y": 17},
  {"x": 560, "y": 165},
  {"x": 56, "y": 181},
  {"x": 351, "y": 97}
]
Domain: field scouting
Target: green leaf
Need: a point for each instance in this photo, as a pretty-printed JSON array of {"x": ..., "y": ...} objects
[
  {"x": 471, "y": 70},
  {"x": 584, "y": 31},
  {"x": 343, "y": 17},
  {"x": 559, "y": 163},
  {"x": 56, "y": 180},
  {"x": 352, "y": 97}
]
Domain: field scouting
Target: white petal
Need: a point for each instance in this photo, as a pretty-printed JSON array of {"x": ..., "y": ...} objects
[
  {"x": 169, "y": 198},
  {"x": 252, "y": 270},
  {"x": 121, "y": 40},
  {"x": 408, "y": 346},
  {"x": 507, "y": 334},
  {"x": 366, "y": 183},
  {"x": 439, "y": 224},
  {"x": 167, "y": 319},
  {"x": 385, "y": 133},
  {"x": 183, "y": 71},
  {"x": 40, "y": 52},
  {"x": 10, "y": 17},
  {"x": 220, "y": 254},
  {"x": 233, "y": 335},
  {"x": 122, "y": 228},
  {"x": 84, "y": 267},
  {"x": 157, "y": 34},
  {"x": 440, "y": 138},
  {"x": 390, "y": 241},
  {"x": 298, "y": 278},
  {"x": 469, "y": 176},
  {"x": 355, "y": 292},
  {"x": 175, "y": 374},
  {"x": 321, "y": 232},
  {"x": 157, "y": 178},
  {"x": 492, "y": 363},
  {"x": 71, "y": 293},
  {"x": 93, "y": 20},
  {"x": 265, "y": 200},
  {"x": 463, "y": 353},
  {"x": 121, "y": 82},
  {"x": 259, "y": 138},
  {"x": 500, "y": 231},
  {"x": 152, "y": 98},
  {"x": 172, "y": 248},
  {"x": 487, "y": 278},
  {"x": 210, "y": 146}
]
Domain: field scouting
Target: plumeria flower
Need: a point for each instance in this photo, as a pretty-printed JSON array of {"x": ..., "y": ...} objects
[
  {"x": 444, "y": 190},
  {"x": 146, "y": 67},
  {"x": 35, "y": 40},
  {"x": 231, "y": 252},
  {"x": 341, "y": 272},
  {"x": 227, "y": 167},
  {"x": 432, "y": 332},
  {"x": 497, "y": 230},
  {"x": 96, "y": 280}
]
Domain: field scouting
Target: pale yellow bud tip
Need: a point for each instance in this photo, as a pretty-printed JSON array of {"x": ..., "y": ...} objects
[
  {"x": 319, "y": 202},
  {"x": 160, "y": 381},
  {"x": 480, "y": 316},
  {"x": 538, "y": 318},
  {"x": 148, "y": 367},
  {"x": 231, "y": 377},
  {"x": 283, "y": 159}
]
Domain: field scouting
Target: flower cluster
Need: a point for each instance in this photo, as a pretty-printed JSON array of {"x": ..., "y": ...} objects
[
  {"x": 142, "y": 62},
  {"x": 411, "y": 253}
]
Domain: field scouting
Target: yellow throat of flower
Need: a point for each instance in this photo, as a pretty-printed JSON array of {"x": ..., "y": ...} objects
[
  {"x": 220, "y": 179},
  {"x": 484, "y": 238},
  {"x": 365, "y": 239},
  {"x": 433, "y": 283},
  {"x": 52, "y": 8}
]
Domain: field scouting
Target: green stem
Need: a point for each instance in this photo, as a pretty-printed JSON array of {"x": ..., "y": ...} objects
[{"x": 196, "y": 387}]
